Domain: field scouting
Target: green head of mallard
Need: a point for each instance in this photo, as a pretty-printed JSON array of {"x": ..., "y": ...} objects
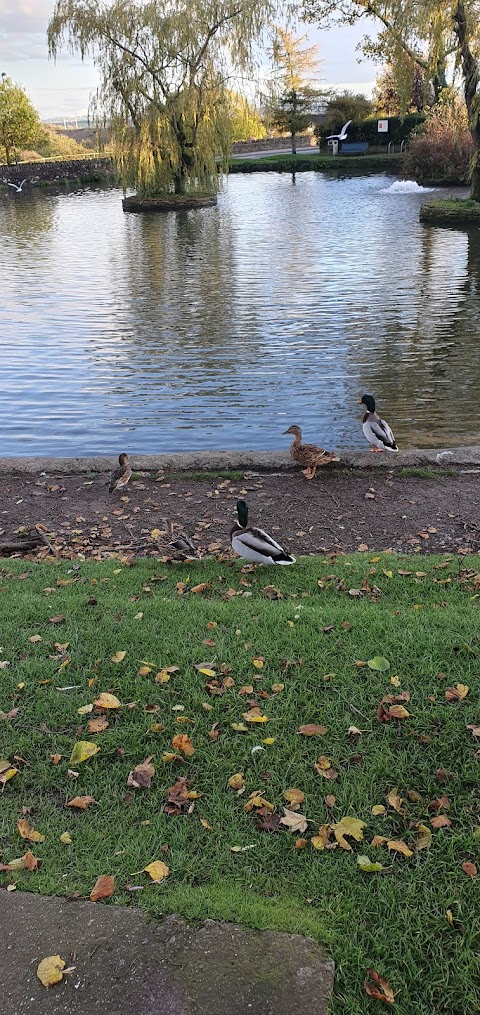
[
  {"x": 369, "y": 401},
  {"x": 242, "y": 512}
]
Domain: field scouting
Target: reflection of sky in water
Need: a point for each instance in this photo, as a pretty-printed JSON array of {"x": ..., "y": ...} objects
[{"x": 219, "y": 328}]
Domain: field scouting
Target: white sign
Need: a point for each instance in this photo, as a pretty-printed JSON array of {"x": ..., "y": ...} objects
[{"x": 383, "y": 126}]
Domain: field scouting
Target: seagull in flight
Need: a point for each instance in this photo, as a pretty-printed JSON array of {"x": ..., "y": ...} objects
[{"x": 17, "y": 188}]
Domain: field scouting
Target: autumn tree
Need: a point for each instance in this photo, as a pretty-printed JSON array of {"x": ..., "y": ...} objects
[
  {"x": 292, "y": 92},
  {"x": 387, "y": 100},
  {"x": 20, "y": 124},
  {"x": 246, "y": 123},
  {"x": 430, "y": 34},
  {"x": 165, "y": 75}
]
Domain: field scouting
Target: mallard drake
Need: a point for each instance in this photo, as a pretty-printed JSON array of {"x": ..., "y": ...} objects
[
  {"x": 376, "y": 430},
  {"x": 121, "y": 476},
  {"x": 308, "y": 454},
  {"x": 255, "y": 544}
]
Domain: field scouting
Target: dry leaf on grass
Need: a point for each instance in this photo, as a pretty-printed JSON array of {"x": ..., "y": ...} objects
[
  {"x": 469, "y": 869},
  {"x": 118, "y": 657},
  {"x": 352, "y": 827},
  {"x": 157, "y": 870},
  {"x": 312, "y": 729},
  {"x": 294, "y": 822},
  {"x": 106, "y": 700},
  {"x": 440, "y": 821},
  {"x": 29, "y": 833},
  {"x": 81, "y": 802},
  {"x": 379, "y": 988},
  {"x": 97, "y": 725},
  {"x": 457, "y": 693},
  {"x": 399, "y": 846},
  {"x": 103, "y": 888},
  {"x": 142, "y": 775},
  {"x": 237, "y": 781},
  {"x": 181, "y": 742},
  {"x": 82, "y": 751},
  {"x": 294, "y": 798}
]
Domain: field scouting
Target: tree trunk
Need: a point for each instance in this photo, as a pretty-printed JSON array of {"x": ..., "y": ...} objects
[
  {"x": 471, "y": 81},
  {"x": 294, "y": 143}
]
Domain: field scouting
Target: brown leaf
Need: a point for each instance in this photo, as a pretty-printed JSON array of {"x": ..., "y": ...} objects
[
  {"x": 475, "y": 728},
  {"x": 395, "y": 801},
  {"x": 56, "y": 620},
  {"x": 270, "y": 822},
  {"x": 440, "y": 821},
  {"x": 311, "y": 729},
  {"x": 142, "y": 775},
  {"x": 98, "y": 725},
  {"x": 324, "y": 768},
  {"x": 29, "y": 833},
  {"x": 103, "y": 888},
  {"x": 294, "y": 798},
  {"x": 178, "y": 798},
  {"x": 295, "y": 822},
  {"x": 457, "y": 693},
  {"x": 330, "y": 800},
  {"x": 469, "y": 869},
  {"x": 181, "y": 742},
  {"x": 382, "y": 990},
  {"x": 399, "y": 846},
  {"x": 106, "y": 700},
  {"x": 81, "y": 802}
]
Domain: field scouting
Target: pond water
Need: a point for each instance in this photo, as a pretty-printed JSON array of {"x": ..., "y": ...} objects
[{"x": 219, "y": 328}]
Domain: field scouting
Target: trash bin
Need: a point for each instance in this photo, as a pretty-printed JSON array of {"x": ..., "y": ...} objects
[{"x": 332, "y": 147}]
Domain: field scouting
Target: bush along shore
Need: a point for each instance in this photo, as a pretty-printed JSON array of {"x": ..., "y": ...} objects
[{"x": 301, "y": 163}]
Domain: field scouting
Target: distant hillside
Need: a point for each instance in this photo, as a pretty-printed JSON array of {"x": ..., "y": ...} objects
[{"x": 89, "y": 137}]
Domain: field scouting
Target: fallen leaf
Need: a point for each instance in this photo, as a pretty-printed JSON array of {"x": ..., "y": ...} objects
[
  {"x": 258, "y": 662},
  {"x": 457, "y": 693},
  {"x": 49, "y": 970},
  {"x": 29, "y": 833},
  {"x": 237, "y": 781},
  {"x": 382, "y": 991},
  {"x": 469, "y": 869},
  {"x": 367, "y": 866},
  {"x": 181, "y": 742},
  {"x": 56, "y": 620},
  {"x": 66, "y": 838},
  {"x": 294, "y": 821},
  {"x": 141, "y": 776},
  {"x": 103, "y": 888},
  {"x": 82, "y": 751},
  {"x": 320, "y": 840},
  {"x": 352, "y": 827},
  {"x": 294, "y": 798},
  {"x": 424, "y": 837},
  {"x": 378, "y": 809},
  {"x": 311, "y": 729},
  {"x": 398, "y": 712},
  {"x": 276, "y": 688},
  {"x": 440, "y": 821},
  {"x": 85, "y": 709},
  {"x": 399, "y": 846},
  {"x": 395, "y": 801},
  {"x": 379, "y": 663},
  {"x": 118, "y": 657},
  {"x": 395, "y": 681},
  {"x": 97, "y": 725},
  {"x": 330, "y": 800},
  {"x": 254, "y": 715},
  {"x": 324, "y": 768},
  {"x": 474, "y": 728},
  {"x": 56, "y": 758},
  {"x": 157, "y": 870},
  {"x": 105, "y": 700},
  {"x": 81, "y": 802},
  {"x": 301, "y": 843}
]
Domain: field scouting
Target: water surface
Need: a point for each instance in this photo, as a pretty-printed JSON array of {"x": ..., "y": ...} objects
[{"x": 218, "y": 328}]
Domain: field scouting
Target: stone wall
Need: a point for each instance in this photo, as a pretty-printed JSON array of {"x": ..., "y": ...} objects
[
  {"x": 52, "y": 172},
  {"x": 271, "y": 143}
]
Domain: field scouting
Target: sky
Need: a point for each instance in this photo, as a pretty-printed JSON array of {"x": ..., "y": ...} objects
[{"x": 63, "y": 88}]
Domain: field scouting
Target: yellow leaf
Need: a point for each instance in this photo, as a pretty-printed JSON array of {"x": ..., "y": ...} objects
[
  {"x": 352, "y": 827},
  {"x": 138, "y": 616},
  {"x": 236, "y": 781},
  {"x": 82, "y": 751},
  {"x": 66, "y": 838},
  {"x": 168, "y": 756},
  {"x": 162, "y": 677},
  {"x": 239, "y": 727},
  {"x": 144, "y": 671},
  {"x": 395, "y": 801},
  {"x": 7, "y": 774},
  {"x": 29, "y": 833},
  {"x": 424, "y": 837},
  {"x": 268, "y": 741},
  {"x": 378, "y": 809},
  {"x": 258, "y": 662},
  {"x": 158, "y": 870},
  {"x": 398, "y": 712},
  {"x": 205, "y": 824},
  {"x": 320, "y": 840},
  {"x": 294, "y": 798},
  {"x": 276, "y": 688},
  {"x": 118, "y": 657},
  {"x": 254, "y": 715},
  {"x": 49, "y": 970},
  {"x": 85, "y": 709},
  {"x": 105, "y": 700},
  {"x": 155, "y": 533},
  {"x": 395, "y": 681},
  {"x": 399, "y": 846},
  {"x": 206, "y": 671}
]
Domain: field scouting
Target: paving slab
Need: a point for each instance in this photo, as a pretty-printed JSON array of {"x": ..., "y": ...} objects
[{"x": 128, "y": 964}]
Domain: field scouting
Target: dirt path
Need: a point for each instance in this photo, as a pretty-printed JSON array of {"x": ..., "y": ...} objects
[{"x": 338, "y": 510}]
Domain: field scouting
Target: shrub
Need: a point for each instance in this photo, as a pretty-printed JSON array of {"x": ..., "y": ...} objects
[
  {"x": 399, "y": 129},
  {"x": 442, "y": 150}
]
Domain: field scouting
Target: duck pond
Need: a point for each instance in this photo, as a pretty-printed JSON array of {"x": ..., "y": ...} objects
[{"x": 220, "y": 327}]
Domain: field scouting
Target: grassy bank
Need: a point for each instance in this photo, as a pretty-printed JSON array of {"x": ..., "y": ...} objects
[
  {"x": 320, "y": 163},
  {"x": 302, "y": 659},
  {"x": 452, "y": 211}
]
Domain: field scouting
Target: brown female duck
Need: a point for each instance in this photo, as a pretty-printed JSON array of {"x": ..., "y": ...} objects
[
  {"x": 121, "y": 476},
  {"x": 308, "y": 455}
]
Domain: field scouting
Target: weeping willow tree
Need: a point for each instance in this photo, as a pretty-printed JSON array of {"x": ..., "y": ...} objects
[
  {"x": 165, "y": 79},
  {"x": 441, "y": 37}
]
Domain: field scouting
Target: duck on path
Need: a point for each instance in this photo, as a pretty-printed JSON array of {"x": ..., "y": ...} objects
[
  {"x": 376, "y": 430},
  {"x": 121, "y": 476},
  {"x": 308, "y": 454}
]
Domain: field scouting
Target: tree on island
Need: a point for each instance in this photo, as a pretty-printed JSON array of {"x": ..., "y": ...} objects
[
  {"x": 165, "y": 78},
  {"x": 20, "y": 124},
  {"x": 292, "y": 94},
  {"x": 431, "y": 34}
]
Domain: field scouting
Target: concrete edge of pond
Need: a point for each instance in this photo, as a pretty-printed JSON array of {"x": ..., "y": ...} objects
[{"x": 258, "y": 461}]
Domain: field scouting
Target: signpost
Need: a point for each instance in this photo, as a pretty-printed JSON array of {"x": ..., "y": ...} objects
[{"x": 383, "y": 126}]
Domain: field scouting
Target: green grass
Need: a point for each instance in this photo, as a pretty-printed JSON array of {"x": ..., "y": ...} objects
[
  {"x": 395, "y": 921},
  {"x": 423, "y": 472},
  {"x": 323, "y": 163},
  {"x": 200, "y": 476},
  {"x": 451, "y": 211}
]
